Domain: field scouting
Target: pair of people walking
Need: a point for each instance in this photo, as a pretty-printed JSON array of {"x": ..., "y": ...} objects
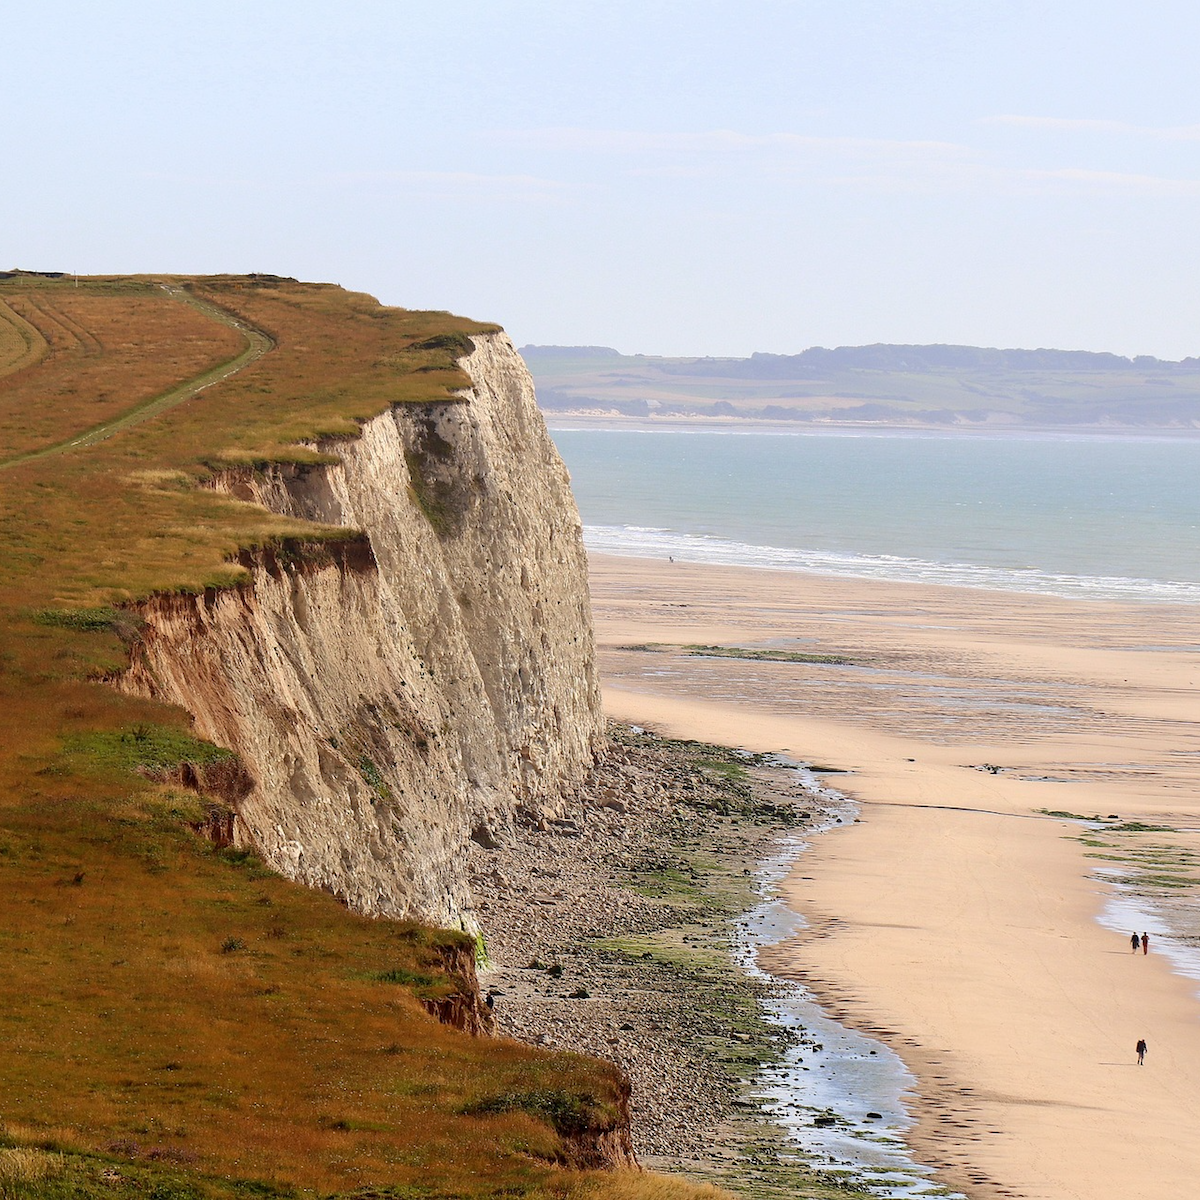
[{"x": 1144, "y": 943}]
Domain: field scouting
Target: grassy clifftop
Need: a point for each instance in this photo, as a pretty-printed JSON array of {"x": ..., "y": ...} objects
[
  {"x": 176, "y": 1020},
  {"x": 124, "y": 517}
]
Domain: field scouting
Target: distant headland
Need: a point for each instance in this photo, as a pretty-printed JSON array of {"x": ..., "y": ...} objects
[{"x": 936, "y": 385}]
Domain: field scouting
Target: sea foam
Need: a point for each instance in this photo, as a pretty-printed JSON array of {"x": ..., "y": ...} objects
[{"x": 637, "y": 541}]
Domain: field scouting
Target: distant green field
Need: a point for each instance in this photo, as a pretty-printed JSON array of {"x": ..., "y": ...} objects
[{"x": 924, "y": 385}]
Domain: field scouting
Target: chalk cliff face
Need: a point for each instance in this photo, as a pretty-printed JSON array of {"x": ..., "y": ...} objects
[{"x": 418, "y": 685}]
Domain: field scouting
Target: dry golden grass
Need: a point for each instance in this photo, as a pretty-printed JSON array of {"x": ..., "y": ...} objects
[
  {"x": 180, "y": 1003},
  {"x": 169, "y": 1002},
  {"x": 109, "y": 349},
  {"x": 21, "y": 345},
  {"x": 163, "y": 1002},
  {"x": 28, "y": 1165},
  {"x": 125, "y": 518},
  {"x": 631, "y": 1185}
]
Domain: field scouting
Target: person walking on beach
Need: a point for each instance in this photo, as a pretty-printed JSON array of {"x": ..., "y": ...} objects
[
  {"x": 1141, "y": 1049},
  {"x": 1135, "y": 942},
  {"x": 1145, "y": 943}
]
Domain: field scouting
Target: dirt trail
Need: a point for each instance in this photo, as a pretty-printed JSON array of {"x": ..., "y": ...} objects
[
  {"x": 258, "y": 343},
  {"x": 32, "y": 345}
]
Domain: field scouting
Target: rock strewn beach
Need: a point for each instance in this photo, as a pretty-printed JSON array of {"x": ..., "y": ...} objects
[{"x": 608, "y": 933}]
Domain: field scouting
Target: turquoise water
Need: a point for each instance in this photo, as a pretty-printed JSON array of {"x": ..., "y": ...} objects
[{"x": 1085, "y": 516}]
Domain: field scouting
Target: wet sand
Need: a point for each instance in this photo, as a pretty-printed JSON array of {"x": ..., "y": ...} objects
[{"x": 953, "y": 919}]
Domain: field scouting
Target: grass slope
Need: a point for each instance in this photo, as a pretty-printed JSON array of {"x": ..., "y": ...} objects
[{"x": 176, "y": 1020}]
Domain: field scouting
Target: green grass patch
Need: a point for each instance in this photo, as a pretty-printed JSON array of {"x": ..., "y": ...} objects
[
  {"x": 752, "y": 655},
  {"x": 1163, "y": 881},
  {"x": 29, "y": 1173},
  {"x": 103, "y": 619},
  {"x": 665, "y": 947},
  {"x": 404, "y": 976},
  {"x": 665, "y": 883},
  {"x": 140, "y": 747},
  {"x": 456, "y": 342},
  {"x": 566, "y": 1112},
  {"x": 373, "y": 778},
  {"x": 732, "y": 770}
]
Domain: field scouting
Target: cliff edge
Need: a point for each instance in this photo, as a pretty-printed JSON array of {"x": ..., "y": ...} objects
[
  {"x": 315, "y": 560},
  {"x": 422, "y": 683}
]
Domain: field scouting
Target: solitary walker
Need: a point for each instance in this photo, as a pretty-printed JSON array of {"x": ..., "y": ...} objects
[{"x": 1141, "y": 1049}]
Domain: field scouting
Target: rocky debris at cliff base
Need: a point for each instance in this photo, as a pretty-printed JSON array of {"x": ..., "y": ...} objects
[{"x": 607, "y": 931}]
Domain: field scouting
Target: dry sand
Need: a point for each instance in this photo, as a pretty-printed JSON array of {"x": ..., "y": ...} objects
[{"x": 953, "y": 918}]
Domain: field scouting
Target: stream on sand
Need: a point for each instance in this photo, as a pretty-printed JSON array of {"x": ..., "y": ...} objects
[{"x": 839, "y": 1095}]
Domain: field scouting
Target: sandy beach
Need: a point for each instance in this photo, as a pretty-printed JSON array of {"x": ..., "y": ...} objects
[{"x": 954, "y": 918}]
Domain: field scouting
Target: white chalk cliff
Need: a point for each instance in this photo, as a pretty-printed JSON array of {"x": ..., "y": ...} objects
[{"x": 418, "y": 685}]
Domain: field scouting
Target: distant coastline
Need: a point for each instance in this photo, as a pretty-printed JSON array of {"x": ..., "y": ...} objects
[
  {"x": 881, "y": 386},
  {"x": 597, "y": 420}
]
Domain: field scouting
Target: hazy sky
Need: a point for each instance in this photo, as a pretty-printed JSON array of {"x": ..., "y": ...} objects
[{"x": 668, "y": 177}]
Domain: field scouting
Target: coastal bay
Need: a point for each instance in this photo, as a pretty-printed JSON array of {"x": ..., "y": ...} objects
[{"x": 957, "y": 917}]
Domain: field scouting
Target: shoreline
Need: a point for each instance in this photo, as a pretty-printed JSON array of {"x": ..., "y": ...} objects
[
  {"x": 1106, "y": 518},
  {"x": 654, "y": 546},
  {"x": 856, "y": 1113},
  {"x": 610, "y": 932},
  {"x": 1062, "y": 707},
  {"x": 633, "y": 932}
]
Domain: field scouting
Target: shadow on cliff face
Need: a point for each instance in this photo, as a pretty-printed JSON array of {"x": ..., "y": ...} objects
[{"x": 441, "y": 489}]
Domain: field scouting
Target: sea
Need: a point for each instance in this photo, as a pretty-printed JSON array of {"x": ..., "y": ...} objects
[
  {"x": 1095, "y": 516},
  {"x": 1101, "y": 516}
]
